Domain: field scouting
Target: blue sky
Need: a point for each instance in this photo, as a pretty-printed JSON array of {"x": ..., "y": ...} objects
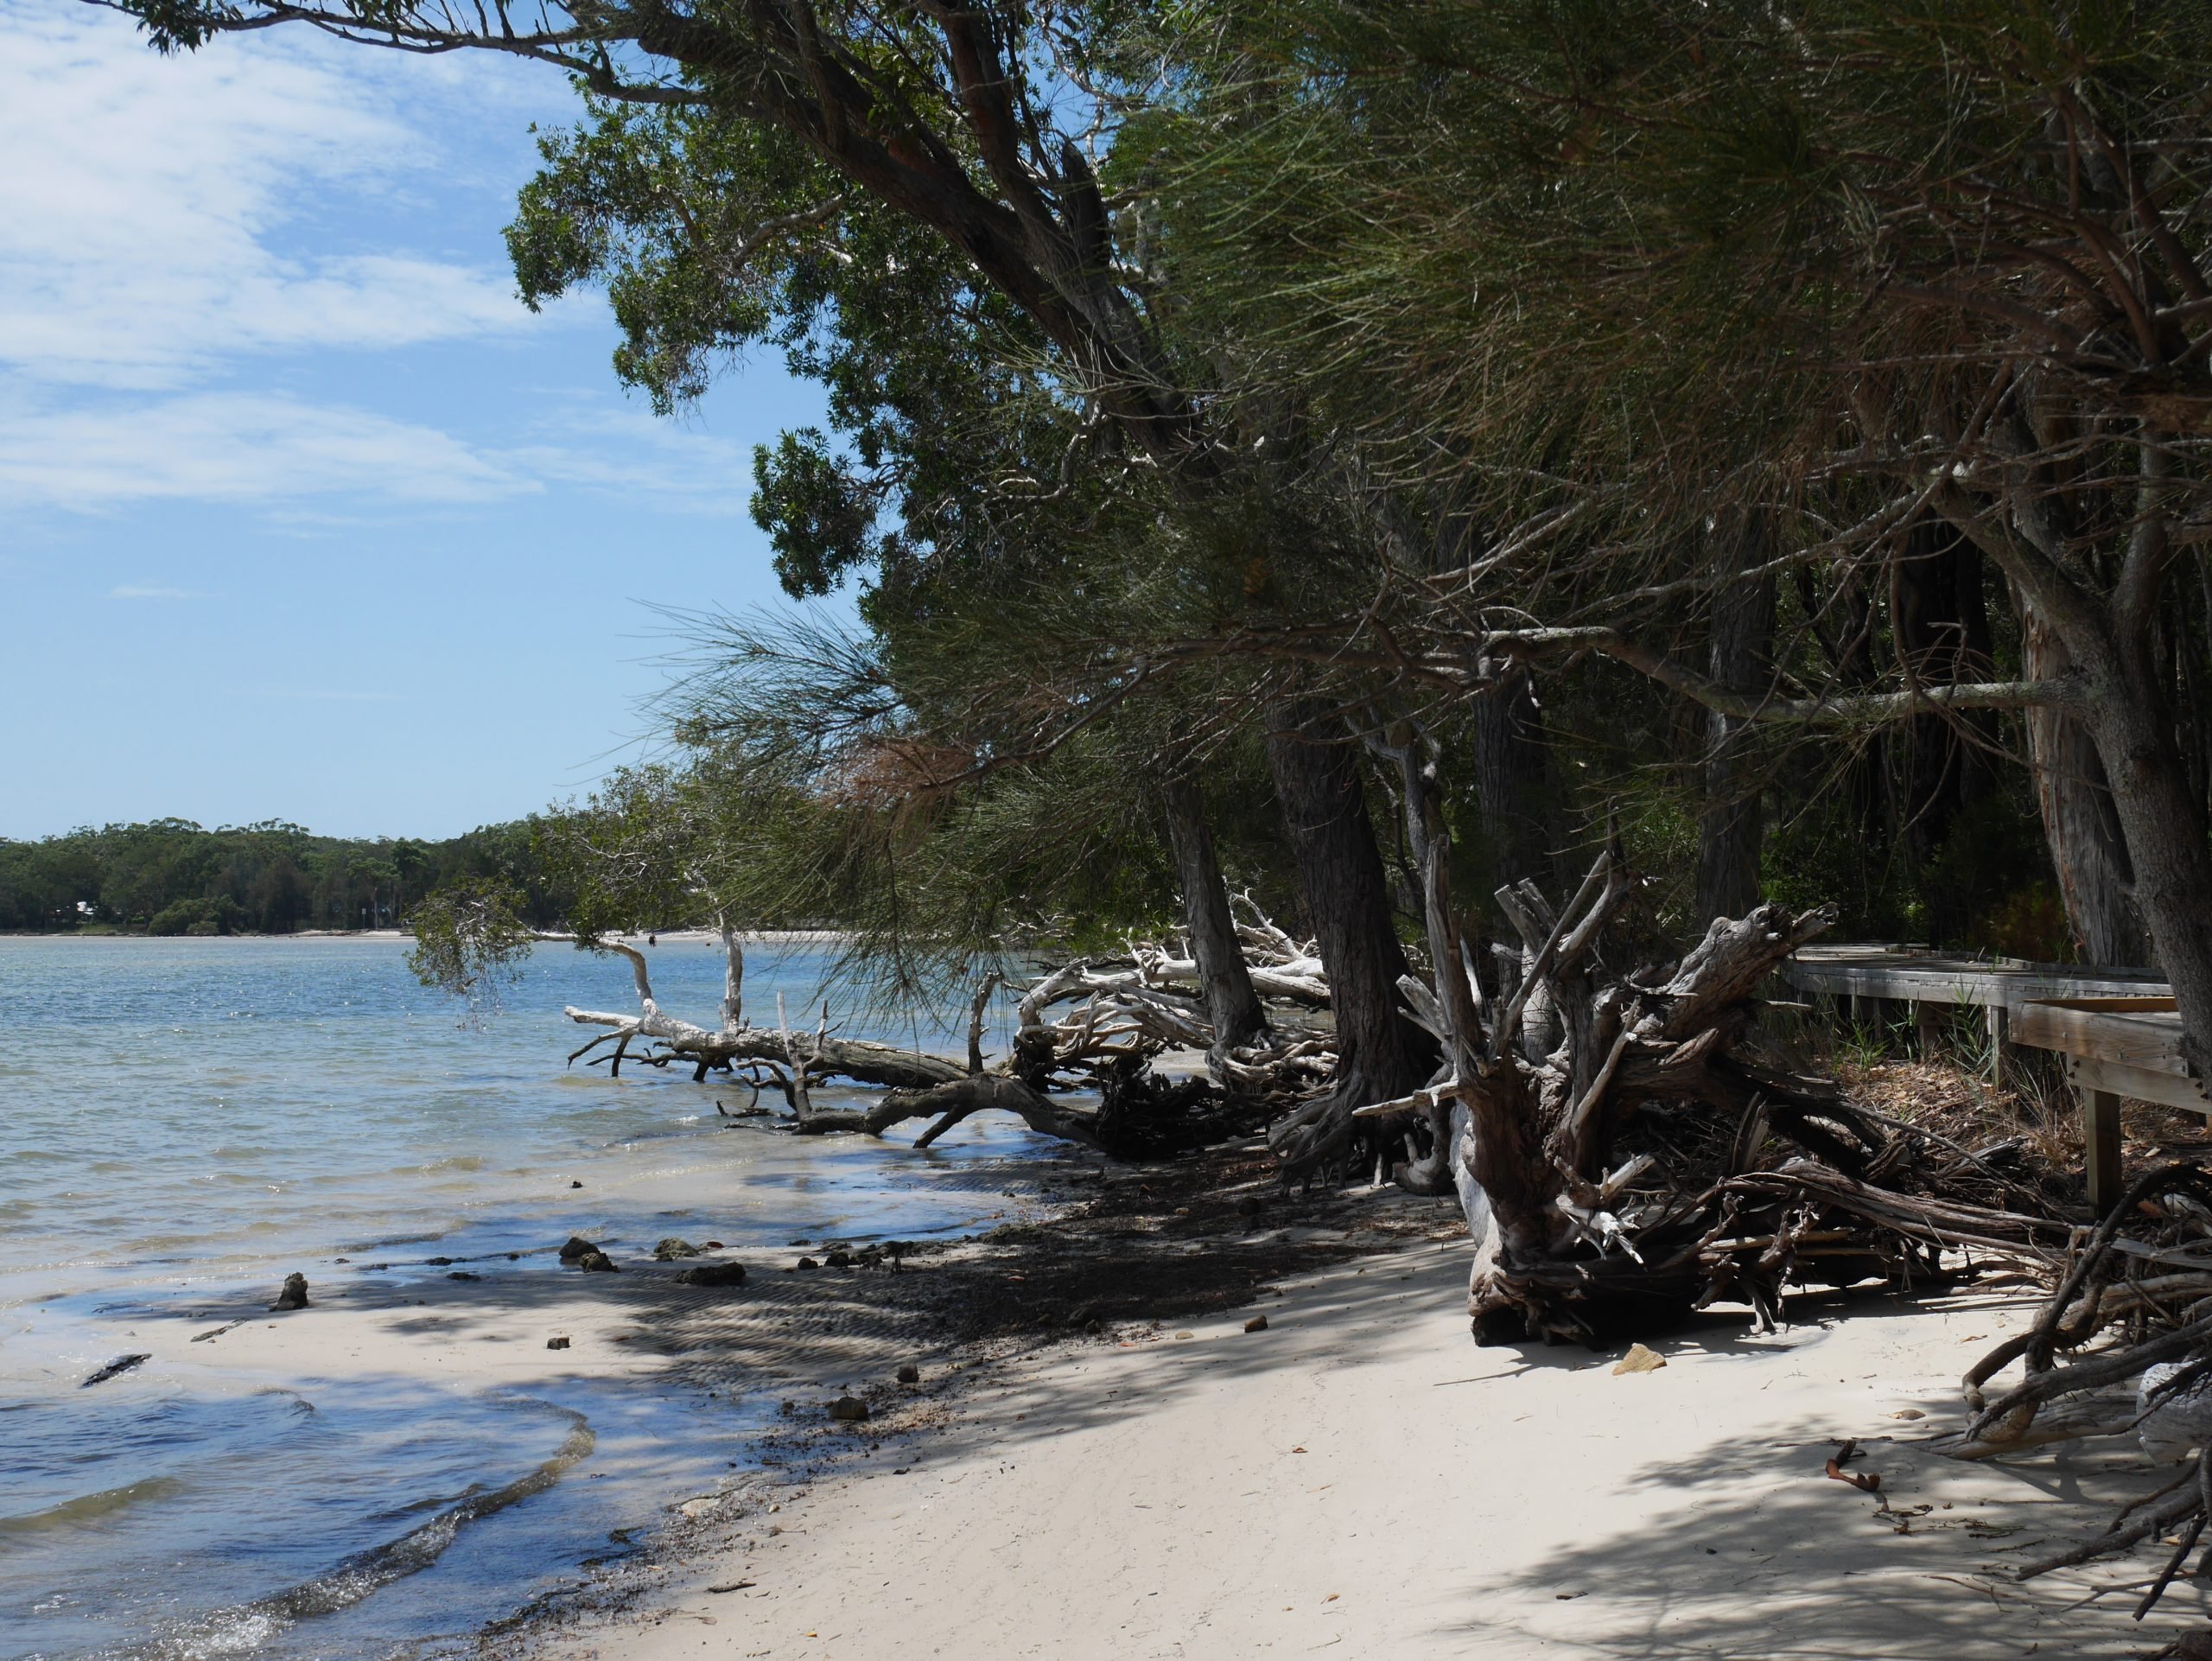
[{"x": 303, "y": 515}]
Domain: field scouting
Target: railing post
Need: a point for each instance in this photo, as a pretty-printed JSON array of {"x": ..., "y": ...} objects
[{"x": 2100, "y": 1145}]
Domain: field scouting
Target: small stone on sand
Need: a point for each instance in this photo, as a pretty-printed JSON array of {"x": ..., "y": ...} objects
[
  {"x": 910, "y": 1374},
  {"x": 556, "y": 1343},
  {"x": 848, "y": 1410},
  {"x": 1639, "y": 1360},
  {"x": 121, "y": 1365},
  {"x": 712, "y": 1274},
  {"x": 1257, "y": 1324},
  {"x": 1907, "y": 1413}
]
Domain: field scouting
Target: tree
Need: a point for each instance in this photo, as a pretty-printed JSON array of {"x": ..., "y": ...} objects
[
  {"x": 944, "y": 116},
  {"x": 1895, "y": 263}
]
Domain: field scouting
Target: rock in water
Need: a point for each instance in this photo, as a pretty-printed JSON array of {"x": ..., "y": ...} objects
[
  {"x": 1639, "y": 1360},
  {"x": 848, "y": 1410},
  {"x": 671, "y": 1248},
  {"x": 712, "y": 1274},
  {"x": 2183, "y": 1418},
  {"x": 596, "y": 1261},
  {"x": 295, "y": 1294},
  {"x": 578, "y": 1247},
  {"x": 121, "y": 1364}
]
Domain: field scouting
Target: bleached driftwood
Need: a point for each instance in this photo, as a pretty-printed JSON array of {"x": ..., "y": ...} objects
[
  {"x": 736, "y": 1043},
  {"x": 1085, "y": 1015}
]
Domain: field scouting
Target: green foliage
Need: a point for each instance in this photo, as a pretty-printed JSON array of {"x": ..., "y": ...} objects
[
  {"x": 1419, "y": 277},
  {"x": 210, "y": 914},
  {"x": 470, "y": 938},
  {"x": 272, "y": 878},
  {"x": 714, "y": 239}
]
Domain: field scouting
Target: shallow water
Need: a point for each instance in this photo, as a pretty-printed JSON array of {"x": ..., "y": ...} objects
[{"x": 185, "y": 1121}]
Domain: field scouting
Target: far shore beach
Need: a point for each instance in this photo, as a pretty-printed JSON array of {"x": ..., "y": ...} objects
[{"x": 1101, "y": 1459}]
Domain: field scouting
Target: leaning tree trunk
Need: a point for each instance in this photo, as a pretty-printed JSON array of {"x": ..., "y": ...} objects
[
  {"x": 2166, "y": 829},
  {"x": 1380, "y": 1055},
  {"x": 1224, "y": 981},
  {"x": 1733, "y": 826},
  {"x": 2080, "y": 820}
]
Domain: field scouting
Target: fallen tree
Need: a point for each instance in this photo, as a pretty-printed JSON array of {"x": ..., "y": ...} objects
[
  {"x": 734, "y": 1043},
  {"x": 1082, "y": 1026},
  {"x": 1624, "y": 1146}
]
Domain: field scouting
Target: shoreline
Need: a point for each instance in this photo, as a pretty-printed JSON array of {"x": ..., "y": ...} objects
[
  {"x": 1079, "y": 1480},
  {"x": 1099, "y": 1460}
]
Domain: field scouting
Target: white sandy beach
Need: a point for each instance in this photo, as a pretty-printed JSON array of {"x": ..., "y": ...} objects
[{"x": 1225, "y": 1494}]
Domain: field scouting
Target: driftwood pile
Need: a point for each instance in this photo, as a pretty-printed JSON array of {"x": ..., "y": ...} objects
[
  {"x": 1625, "y": 1145},
  {"x": 2123, "y": 1348},
  {"x": 1627, "y": 1148},
  {"x": 1086, "y": 1034}
]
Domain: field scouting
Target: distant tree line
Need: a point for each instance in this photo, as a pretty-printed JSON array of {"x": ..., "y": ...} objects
[{"x": 172, "y": 877}]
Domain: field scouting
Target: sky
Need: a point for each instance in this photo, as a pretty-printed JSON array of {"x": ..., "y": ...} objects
[{"x": 303, "y": 514}]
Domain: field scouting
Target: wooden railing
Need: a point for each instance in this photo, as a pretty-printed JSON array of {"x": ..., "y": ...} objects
[{"x": 2116, "y": 1027}]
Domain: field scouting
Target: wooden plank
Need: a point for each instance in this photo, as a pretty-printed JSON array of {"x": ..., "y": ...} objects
[
  {"x": 1940, "y": 982},
  {"x": 2101, "y": 1147},
  {"x": 2089, "y": 1074},
  {"x": 2142, "y": 1032}
]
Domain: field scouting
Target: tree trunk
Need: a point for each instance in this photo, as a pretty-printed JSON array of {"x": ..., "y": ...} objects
[
  {"x": 2171, "y": 857},
  {"x": 1231, "y": 1004},
  {"x": 2081, "y": 821},
  {"x": 1512, "y": 786},
  {"x": 1380, "y": 1055},
  {"x": 1458, "y": 1015},
  {"x": 1733, "y": 825}
]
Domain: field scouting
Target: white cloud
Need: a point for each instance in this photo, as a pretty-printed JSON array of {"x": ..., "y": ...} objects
[
  {"x": 145, "y": 204},
  {"x": 177, "y": 234},
  {"x": 99, "y": 452},
  {"x": 242, "y": 448},
  {"x": 140, "y": 591}
]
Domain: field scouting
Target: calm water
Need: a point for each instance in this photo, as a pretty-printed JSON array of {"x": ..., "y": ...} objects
[{"x": 183, "y": 1122}]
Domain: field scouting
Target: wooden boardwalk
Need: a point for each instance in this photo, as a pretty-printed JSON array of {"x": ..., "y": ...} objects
[{"x": 2116, "y": 1027}]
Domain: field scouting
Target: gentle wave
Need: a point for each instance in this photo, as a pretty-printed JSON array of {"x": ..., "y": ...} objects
[
  {"x": 247, "y": 1626},
  {"x": 88, "y": 1509}
]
